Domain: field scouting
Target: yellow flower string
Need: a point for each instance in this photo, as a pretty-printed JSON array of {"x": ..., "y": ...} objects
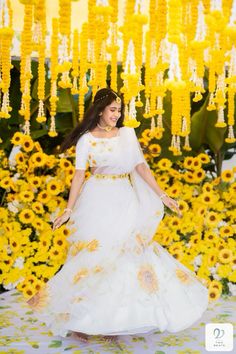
[
  {"x": 25, "y": 65},
  {"x": 53, "y": 80},
  {"x": 6, "y": 36},
  {"x": 83, "y": 66},
  {"x": 65, "y": 29}
]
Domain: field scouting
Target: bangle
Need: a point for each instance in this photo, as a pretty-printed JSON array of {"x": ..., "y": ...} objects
[
  {"x": 68, "y": 209},
  {"x": 163, "y": 195}
]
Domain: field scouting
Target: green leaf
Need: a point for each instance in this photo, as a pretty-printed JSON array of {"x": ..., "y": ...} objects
[
  {"x": 203, "y": 130},
  {"x": 55, "y": 344}
]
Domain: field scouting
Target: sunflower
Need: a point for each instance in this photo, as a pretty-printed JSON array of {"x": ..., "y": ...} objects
[
  {"x": 226, "y": 231},
  {"x": 183, "y": 206},
  {"x": 43, "y": 197},
  {"x": 37, "y": 207},
  {"x": 175, "y": 190},
  {"x": 211, "y": 258},
  {"x": 60, "y": 241},
  {"x": 147, "y": 278},
  {"x": 199, "y": 175},
  {"x": 27, "y": 143},
  {"x": 19, "y": 158},
  {"x": 17, "y": 138},
  {"x": 207, "y": 187},
  {"x": 26, "y": 216},
  {"x": 54, "y": 187},
  {"x": 225, "y": 255},
  {"x": 210, "y": 236},
  {"x": 154, "y": 149},
  {"x": 164, "y": 164},
  {"x": 65, "y": 164},
  {"x": 38, "y": 223},
  {"x": 188, "y": 162},
  {"x": 38, "y": 159},
  {"x": 213, "y": 294},
  {"x": 188, "y": 177},
  {"x": 204, "y": 158},
  {"x": 196, "y": 163},
  {"x": 227, "y": 176},
  {"x": 212, "y": 218},
  {"x": 26, "y": 196},
  {"x": 6, "y": 182},
  {"x": 224, "y": 270},
  {"x": 207, "y": 198},
  {"x": 56, "y": 253},
  {"x": 28, "y": 291},
  {"x": 174, "y": 223},
  {"x": 35, "y": 181},
  {"x": 146, "y": 134},
  {"x": 14, "y": 244}
]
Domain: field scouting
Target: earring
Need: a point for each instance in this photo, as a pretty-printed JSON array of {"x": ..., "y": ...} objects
[{"x": 100, "y": 114}]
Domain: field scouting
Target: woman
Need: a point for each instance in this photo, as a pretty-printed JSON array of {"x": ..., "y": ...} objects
[{"x": 122, "y": 282}]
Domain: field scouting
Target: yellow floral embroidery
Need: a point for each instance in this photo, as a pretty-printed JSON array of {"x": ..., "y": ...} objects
[
  {"x": 77, "y": 247},
  {"x": 63, "y": 316},
  {"x": 97, "y": 269},
  {"x": 81, "y": 274},
  {"x": 183, "y": 276},
  {"x": 40, "y": 299},
  {"x": 92, "y": 245},
  {"x": 76, "y": 299},
  {"x": 147, "y": 278}
]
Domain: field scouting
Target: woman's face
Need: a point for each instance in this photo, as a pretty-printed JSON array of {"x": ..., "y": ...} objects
[{"x": 110, "y": 114}]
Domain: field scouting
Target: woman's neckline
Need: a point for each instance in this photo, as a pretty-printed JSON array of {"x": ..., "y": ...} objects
[{"x": 112, "y": 137}]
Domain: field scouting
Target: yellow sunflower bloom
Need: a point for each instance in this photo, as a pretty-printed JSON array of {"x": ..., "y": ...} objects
[
  {"x": 154, "y": 149},
  {"x": 54, "y": 187},
  {"x": 227, "y": 176},
  {"x": 65, "y": 164},
  {"x": 6, "y": 183},
  {"x": 224, "y": 270},
  {"x": 212, "y": 218},
  {"x": 164, "y": 164},
  {"x": 204, "y": 158},
  {"x": 27, "y": 143},
  {"x": 225, "y": 255},
  {"x": 37, "y": 207},
  {"x": 188, "y": 162},
  {"x": 17, "y": 138},
  {"x": 207, "y": 187},
  {"x": 38, "y": 159},
  {"x": 26, "y": 216},
  {"x": 214, "y": 294},
  {"x": 35, "y": 181},
  {"x": 26, "y": 196},
  {"x": 226, "y": 231},
  {"x": 196, "y": 163},
  {"x": 43, "y": 197}
]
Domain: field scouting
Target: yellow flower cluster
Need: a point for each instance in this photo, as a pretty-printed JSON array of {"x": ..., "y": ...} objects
[
  {"x": 83, "y": 66},
  {"x": 208, "y": 250}
]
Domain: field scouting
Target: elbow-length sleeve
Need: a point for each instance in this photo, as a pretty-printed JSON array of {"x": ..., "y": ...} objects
[{"x": 81, "y": 153}]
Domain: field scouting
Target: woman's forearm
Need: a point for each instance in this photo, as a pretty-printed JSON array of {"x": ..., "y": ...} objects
[
  {"x": 76, "y": 184},
  {"x": 145, "y": 172}
]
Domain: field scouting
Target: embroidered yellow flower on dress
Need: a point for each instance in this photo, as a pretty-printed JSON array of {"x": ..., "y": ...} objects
[
  {"x": 63, "y": 316},
  {"x": 147, "y": 278},
  {"x": 183, "y": 276},
  {"x": 79, "y": 275},
  {"x": 77, "y": 247},
  {"x": 97, "y": 269},
  {"x": 76, "y": 299},
  {"x": 92, "y": 245}
]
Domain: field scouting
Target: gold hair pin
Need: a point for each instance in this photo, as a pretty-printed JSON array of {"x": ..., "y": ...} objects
[{"x": 118, "y": 99}]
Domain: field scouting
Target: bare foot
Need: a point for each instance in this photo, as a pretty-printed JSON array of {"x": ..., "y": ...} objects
[{"x": 82, "y": 336}]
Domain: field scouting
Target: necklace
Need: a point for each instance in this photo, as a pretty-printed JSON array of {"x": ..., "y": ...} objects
[{"x": 107, "y": 128}]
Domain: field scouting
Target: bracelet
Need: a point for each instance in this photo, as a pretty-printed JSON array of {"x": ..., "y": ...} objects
[
  {"x": 68, "y": 209},
  {"x": 163, "y": 195}
]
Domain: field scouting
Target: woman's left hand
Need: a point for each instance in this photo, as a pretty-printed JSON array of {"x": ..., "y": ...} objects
[{"x": 172, "y": 204}]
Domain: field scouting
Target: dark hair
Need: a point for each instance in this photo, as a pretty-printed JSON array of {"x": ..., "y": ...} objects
[{"x": 103, "y": 98}]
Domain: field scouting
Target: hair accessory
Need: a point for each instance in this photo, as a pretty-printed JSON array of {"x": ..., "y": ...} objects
[{"x": 118, "y": 99}]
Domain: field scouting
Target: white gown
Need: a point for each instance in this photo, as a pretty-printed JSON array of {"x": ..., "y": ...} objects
[{"x": 125, "y": 284}]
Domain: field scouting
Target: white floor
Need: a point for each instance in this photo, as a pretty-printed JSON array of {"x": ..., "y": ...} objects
[{"x": 21, "y": 333}]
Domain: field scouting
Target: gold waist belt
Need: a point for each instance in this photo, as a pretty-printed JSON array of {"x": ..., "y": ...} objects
[{"x": 99, "y": 175}]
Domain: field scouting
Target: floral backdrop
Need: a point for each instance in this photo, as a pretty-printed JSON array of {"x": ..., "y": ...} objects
[{"x": 34, "y": 187}]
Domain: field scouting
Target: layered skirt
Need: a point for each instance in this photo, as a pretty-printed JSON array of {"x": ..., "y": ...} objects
[{"x": 122, "y": 282}]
